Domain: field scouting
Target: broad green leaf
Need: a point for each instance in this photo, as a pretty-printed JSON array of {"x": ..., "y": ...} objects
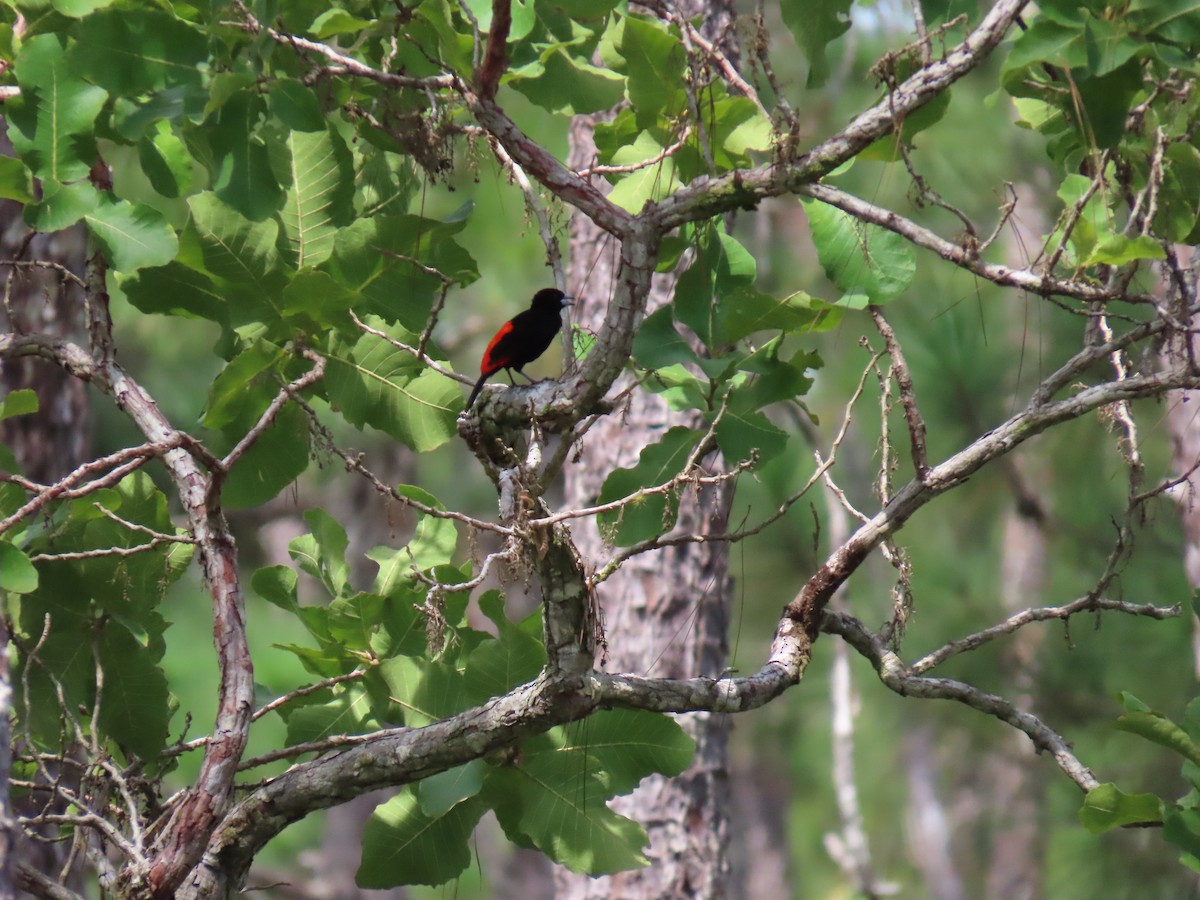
[
  {"x": 166, "y": 162},
  {"x": 67, "y": 655},
  {"x": 62, "y": 206},
  {"x": 322, "y": 552},
  {"x": 131, "y": 236},
  {"x": 238, "y": 156},
  {"x": 135, "y": 706},
  {"x": 742, "y": 432},
  {"x": 242, "y": 390},
  {"x": 77, "y": 9},
  {"x": 1154, "y": 726},
  {"x": 860, "y": 258},
  {"x": 277, "y": 458},
  {"x": 296, "y": 105},
  {"x": 499, "y": 664},
  {"x": 815, "y": 24},
  {"x": 354, "y": 621},
  {"x": 324, "y": 717},
  {"x": 316, "y": 302},
  {"x": 15, "y": 180},
  {"x": 242, "y": 256},
  {"x": 333, "y": 22},
  {"x": 276, "y": 585},
  {"x": 371, "y": 382},
  {"x": 432, "y": 544},
  {"x": 426, "y": 690},
  {"x": 1178, "y": 201},
  {"x": 556, "y": 802},
  {"x": 1106, "y": 100},
  {"x": 658, "y": 342},
  {"x": 647, "y": 516},
  {"x": 1181, "y": 827},
  {"x": 1107, "y": 806},
  {"x": 131, "y": 51},
  {"x": 17, "y": 573},
  {"x": 375, "y": 257},
  {"x": 18, "y": 403},
  {"x": 654, "y": 66},
  {"x": 744, "y": 311},
  {"x": 652, "y": 181},
  {"x": 318, "y": 195},
  {"x": 1118, "y": 249},
  {"x": 401, "y": 844},
  {"x": 52, "y": 120},
  {"x": 562, "y": 84},
  {"x": 438, "y": 794},
  {"x": 627, "y": 745},
  {"x": 174, "y": 289}
]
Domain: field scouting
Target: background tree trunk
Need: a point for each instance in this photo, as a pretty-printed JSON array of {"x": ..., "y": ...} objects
[
  {"x": 666, "y": 614},
  {"x": 47, "y": 444}
]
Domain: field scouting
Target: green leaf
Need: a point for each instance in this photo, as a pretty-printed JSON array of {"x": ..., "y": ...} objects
[
  {"x": 647, "y": 516},
  {"x": 131, "y": 51},
  {"x": 744, "y": 311},
  {"x": 166, "y": 161},
  {"x": 373, "y": 256},
  {"x": 79, "y": 8},
  {"x": 860, "y": 258},
  {"x": 323, "y": 718},
  {"x": 658, "y": 342},
  {"x": 556, "y": 802},
  {"x": 131, "y": 236},
  {"x": 562, "y": 84},
  {"x": 815, "y": 24},
  {"x": 742, "y": 432},
  {"x": 1106, "y": 806},
  {"x": 241, "y": 256},
  {"x": 17, "y": 573},
  {"x": 629, "y": 744},
  {"x": 239, "y": 155},
  {"x": 1155, "y": 727},
  {"x": 53, "y": 118},
  {"x": 277, "y": 458},
  {"x": 18, "y": 403},
  {"x": 1117, "y": 249},
  {"x": 651, "y": 182},
  {"x": 322, "y": 552},
  {"x": 373, "y": 382},
  {"x": 16, "y": 182},
  {"x": 333, "y": 22},
  {"x": 354, "y": 621},
  {"x": 1181, "y": 827},
  {"x": 175, "y": 290},
  {"x": 427, "y": 690},
  {"x": 296, "y": 105},
  {"x": 62, "y": 206},
  {"x": 135, "y": 706},
  {"x": 438, "y": 794},
  {"x": 654, "y": 65},
  {"x": 319, "y": 195},
  {"x": 401, "y": 844}
]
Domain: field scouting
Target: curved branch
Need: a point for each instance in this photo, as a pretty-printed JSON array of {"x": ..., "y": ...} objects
[
  {"x": 708, "y": 197},
  {"x": 965, "y": 257},
  {"x": 181, "y": 841},
  {"x": 899, "y": 678}
]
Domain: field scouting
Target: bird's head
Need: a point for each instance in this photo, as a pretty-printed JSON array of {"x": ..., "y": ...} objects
[{"x": 551, "y": 300}]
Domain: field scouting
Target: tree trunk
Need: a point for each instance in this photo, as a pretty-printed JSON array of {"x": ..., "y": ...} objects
[
  {"x": 47, "y": 444},
  {"x": 665, "y": 614}
]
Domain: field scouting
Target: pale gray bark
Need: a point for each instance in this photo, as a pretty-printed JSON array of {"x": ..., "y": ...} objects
[{"x": 664, "y": 615}]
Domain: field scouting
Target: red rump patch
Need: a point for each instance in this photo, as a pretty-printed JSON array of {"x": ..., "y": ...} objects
[{"x": 493, "y": 362}]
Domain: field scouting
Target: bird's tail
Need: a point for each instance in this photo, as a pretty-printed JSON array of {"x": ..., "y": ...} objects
[{"x": 475, "y": 391}]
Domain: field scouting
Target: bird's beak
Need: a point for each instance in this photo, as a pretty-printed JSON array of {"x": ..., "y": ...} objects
[{"x": 568, "y": 301}]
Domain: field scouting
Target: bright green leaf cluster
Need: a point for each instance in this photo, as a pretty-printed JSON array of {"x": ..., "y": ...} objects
[
  {"x": 421, "y": 663},
  {"x": 78, "y": 615},
  {"x": 1108, "y": 807}
]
